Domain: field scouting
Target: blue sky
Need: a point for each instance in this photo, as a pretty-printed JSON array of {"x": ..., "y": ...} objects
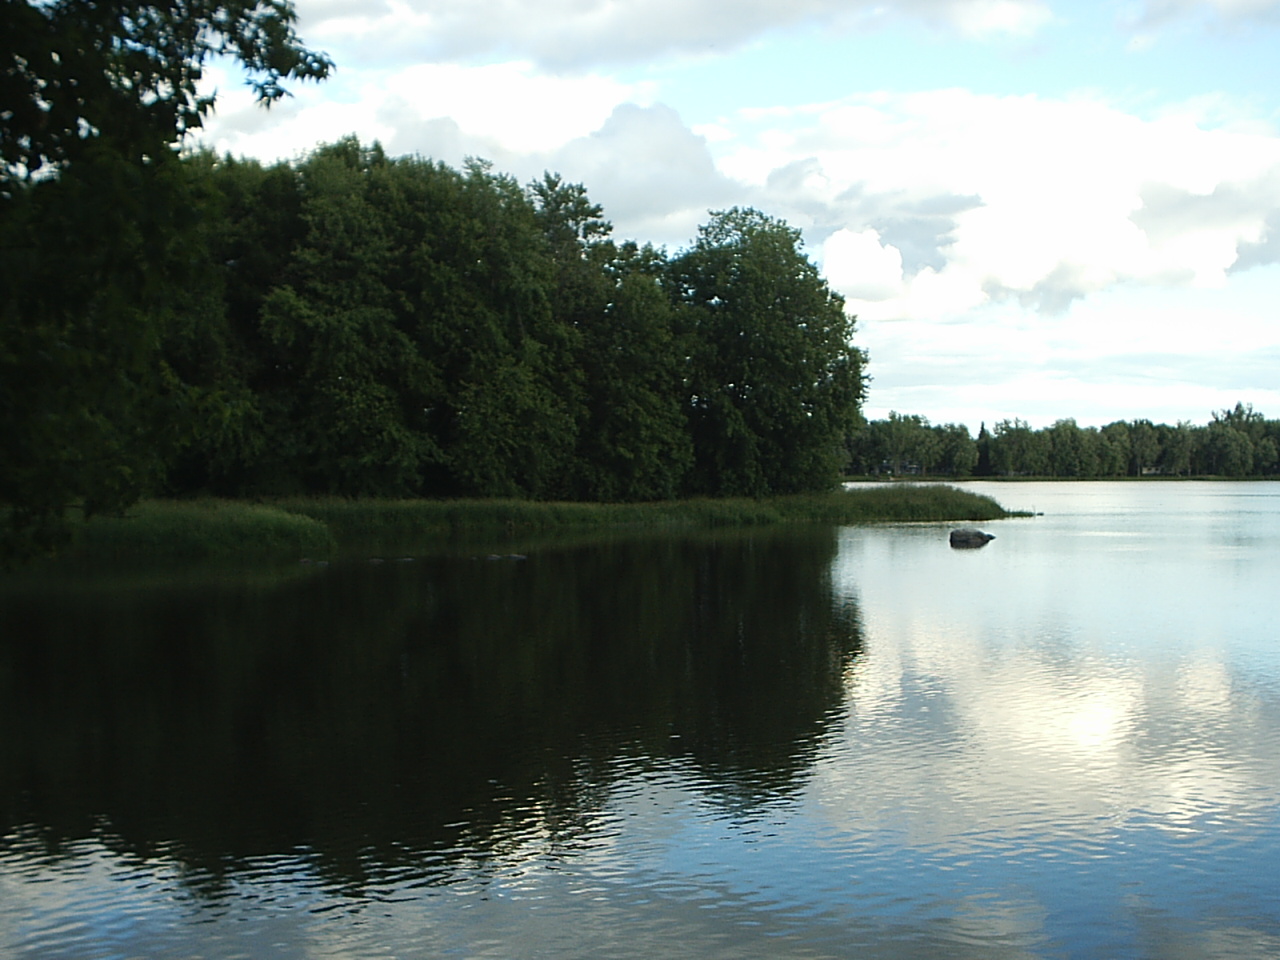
[{"x": 1035, "y": 209}]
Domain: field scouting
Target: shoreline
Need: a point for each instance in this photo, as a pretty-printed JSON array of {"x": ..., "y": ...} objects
[{"x": 321, "y": 528}]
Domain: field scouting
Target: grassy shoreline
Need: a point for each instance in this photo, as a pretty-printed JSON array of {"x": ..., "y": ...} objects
[{"x": 319, "y": 527}]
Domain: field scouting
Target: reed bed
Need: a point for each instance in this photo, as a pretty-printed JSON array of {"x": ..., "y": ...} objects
[
  {"x": 359, "y": 519},
  {"x": 321, "y": 527},
  {"x": 202, "y": 529}
]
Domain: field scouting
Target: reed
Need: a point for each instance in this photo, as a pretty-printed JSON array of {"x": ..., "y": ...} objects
[
  {"x": 319, "y": 527},
  {"x": 894, "y": 503},
  {"x": 202, "y": 529},
  {"x": 363, "y": 520}
]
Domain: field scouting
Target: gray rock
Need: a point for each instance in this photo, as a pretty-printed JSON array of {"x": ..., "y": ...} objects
[{"x": 967, "y": 539}]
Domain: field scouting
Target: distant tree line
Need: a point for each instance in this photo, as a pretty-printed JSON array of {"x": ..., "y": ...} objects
[
  {"x": 1238, "y": 442},
  {"x": 359, "y": 325}
]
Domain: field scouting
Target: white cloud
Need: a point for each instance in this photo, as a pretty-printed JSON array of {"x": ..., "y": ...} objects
[
  {"x": 1009, "y": 235},
  {"x": 859, "y": 266},
  {"x": 502, "y": 111},
  {"x": 1047, "y": 201},
  {"x": 510, "y": 103},
  {"x": 988, "y": 17},
  {"x": 578, "y": 34},
  {"x": 1128, "y": 352},
  {"x": 655, "y": 177}
]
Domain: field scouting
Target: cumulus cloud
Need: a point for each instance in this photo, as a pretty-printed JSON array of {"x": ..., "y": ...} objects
[
  {"x": 961, "y": 226},
  {"x": 922, "y": 204},
  {"x": 572, "y": 35},
  {"x": 1165, "y": 353},
  {"x": 1037, "y": 201},
  {"x": 655, "y": 178},
  {"x": 861, "y": 266},
  {"x": 501, "y": 111}
]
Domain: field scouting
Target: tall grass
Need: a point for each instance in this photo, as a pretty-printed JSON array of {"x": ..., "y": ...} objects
[
  {"x": 895, "y": 502},
  {"x": 202, "y": 529},
  {"x": 319, "y": 527},
  {"x": 371, "y": 520}
]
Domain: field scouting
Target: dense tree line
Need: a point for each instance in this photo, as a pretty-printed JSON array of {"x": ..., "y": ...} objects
[
  {"x": 395, "y": 327},
  {"x": 360, "y": 325},
  {"x": 354, "y": 324},
  {"x": 385, "y": 326},
  {"x": 1239, "y": 442}
]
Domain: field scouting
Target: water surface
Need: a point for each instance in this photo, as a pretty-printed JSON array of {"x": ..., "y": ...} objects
[{"x": 815, "y": 742}]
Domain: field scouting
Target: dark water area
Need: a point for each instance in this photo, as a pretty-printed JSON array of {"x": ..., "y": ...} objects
[
  {"x": 800, "y": 742},
  {"x": 406, "y": 718}
]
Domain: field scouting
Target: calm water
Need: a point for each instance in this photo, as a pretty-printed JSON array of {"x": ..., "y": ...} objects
[{"x": 849, "y": 742}]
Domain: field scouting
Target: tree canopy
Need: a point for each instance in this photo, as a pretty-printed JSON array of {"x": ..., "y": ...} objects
[
  {"x": 101, "y": 237},
  {"x": 360, "y": 325},
  {"x": 774, "y": 380},
  {"x": 435, "y": 332},
  {"x": 79, "y": 74}
]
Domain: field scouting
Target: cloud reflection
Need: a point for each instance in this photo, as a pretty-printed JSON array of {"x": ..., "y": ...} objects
[{"x": 962, "y": 726}]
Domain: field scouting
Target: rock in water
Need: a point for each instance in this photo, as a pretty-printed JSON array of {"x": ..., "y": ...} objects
[{"x": 970, "y": 538}]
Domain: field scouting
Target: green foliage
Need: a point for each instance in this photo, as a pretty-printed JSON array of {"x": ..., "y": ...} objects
[
  {"x": 774, "y": 384},
  {"x": 903, "y": 444},
  {"x": 908, "y": 446},
  {"x": 356, "y": 325},
  {"x": 634, "y": 443},
  {"x": 292, "y": 528},
  {"x": 1016, "y": 448},
  {"x": 893, "y": 502},
  {"x": 1072, "y": 452},
  {"x": 202, "y": 529},
  {"x": 100, "y": 246},
  {"x": 1177, "y": 446},
  {"x": 1238, "y": 442},
  {"x": 354, "y": 385},
  {"x": 88, "y": 261},
  {"x": 418, "y": 330},
  {"x": 79, "y": 77}
]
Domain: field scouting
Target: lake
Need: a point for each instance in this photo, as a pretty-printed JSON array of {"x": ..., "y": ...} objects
[{"x": 820, "y": 742}]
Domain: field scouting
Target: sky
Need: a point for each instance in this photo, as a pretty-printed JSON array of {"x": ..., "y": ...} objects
[{"x": 1036, "y": 209}]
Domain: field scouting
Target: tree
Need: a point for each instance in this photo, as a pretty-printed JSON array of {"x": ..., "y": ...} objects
[
  {"x": 95, "y": 217},
  {"x": 1114, "y": 450},
  {"x": 957, "y": 449},
  {"x": 359, "y": 384},
  {"x": 1228, "y": 450},
  {"x": 773, "y": 381},
  {"x": 500, "y": 337},
  {"x": 76, "y": 342},
  {"x": 635, "y": 443},
  {"x": 1016, "y": 449},
  {"x": 1144, "y": 446},
  {"x": 78, "y": 74},
  {"x": 906, "y": 442},
  {"x": 1177, "y": 448},
  {"x": 983, "y": 468},
  {"x": 1066, "y": 449},
  {"x": 1266, "y": 453}
]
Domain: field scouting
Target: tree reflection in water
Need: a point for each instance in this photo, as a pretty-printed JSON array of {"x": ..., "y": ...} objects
[{"x": 398, "y": 718}]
